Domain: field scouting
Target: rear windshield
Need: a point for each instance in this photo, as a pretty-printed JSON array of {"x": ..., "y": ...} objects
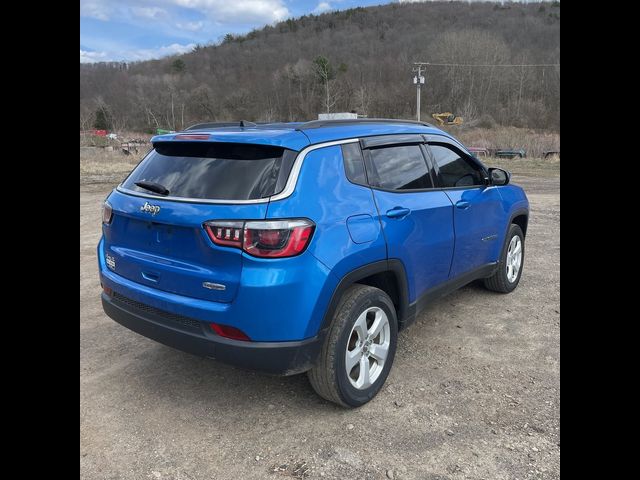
[{"x": 223, "y": 171}]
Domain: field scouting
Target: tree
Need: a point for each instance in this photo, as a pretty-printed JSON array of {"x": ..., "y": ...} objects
[
  {"x": 178, "y": 65},
  {"x": 103, "y": 119},
  {"x": 284, "y": 75},
  {"x": 87, "y": 117},
  {"x": 325, "y": 73}
]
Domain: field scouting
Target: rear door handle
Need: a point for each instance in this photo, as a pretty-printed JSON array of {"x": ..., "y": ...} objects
[
  {"x": 398, "y": 212},
  {"x": 462, "y": 204}
]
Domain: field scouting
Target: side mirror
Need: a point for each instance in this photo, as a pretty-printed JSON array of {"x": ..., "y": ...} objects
[{"x": 498, "y": 176}]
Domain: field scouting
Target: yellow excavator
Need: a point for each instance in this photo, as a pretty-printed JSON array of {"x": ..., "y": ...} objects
[{"x": 446, "y": 118}]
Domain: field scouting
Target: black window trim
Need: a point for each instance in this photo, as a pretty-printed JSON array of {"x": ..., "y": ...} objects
[
  {"x": 391, "y": 139},
  {"x": 436, "y": 138}
]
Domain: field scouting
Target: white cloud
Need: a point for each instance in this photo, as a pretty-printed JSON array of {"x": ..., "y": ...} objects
[
  {"x": 190, "y": 26},
  {"x": 92, "y": 57},
  {"x": 153, "y": 13},
  {"x": 222, "y": 11},
  {"x": 95, "y": 9},
  {"x": 239, "y": 11},
  {"x": 322, "y": 7},
  {"x": 133, "y": 55}
]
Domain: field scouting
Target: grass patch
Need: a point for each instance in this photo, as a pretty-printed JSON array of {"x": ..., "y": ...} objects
[
  {"x": 534, "y": 142},
  {"x": 529, "y": 167},
  {"x": 98, "y": 165}
]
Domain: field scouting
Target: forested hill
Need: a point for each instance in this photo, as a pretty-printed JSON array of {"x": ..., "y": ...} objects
[{"x": 358, "y": 59}]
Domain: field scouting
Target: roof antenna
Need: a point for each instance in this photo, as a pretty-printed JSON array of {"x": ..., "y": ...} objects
[{"x": 244, "y": 123}]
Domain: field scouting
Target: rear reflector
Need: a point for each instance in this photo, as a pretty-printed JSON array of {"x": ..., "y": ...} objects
[
  {"x": 107, "y": 290},
  {"x": 229, "y": 332}
]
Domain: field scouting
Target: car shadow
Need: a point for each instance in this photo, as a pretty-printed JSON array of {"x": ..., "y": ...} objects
[
  {"x": 165, "y": 373},
  {"x": 161, "y": 372}
]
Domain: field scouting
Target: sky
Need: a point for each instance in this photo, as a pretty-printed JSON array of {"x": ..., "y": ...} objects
[{"x": 131, "y": 30}]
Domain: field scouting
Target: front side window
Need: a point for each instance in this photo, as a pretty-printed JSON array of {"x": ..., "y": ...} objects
[
  {"x": 455, "y": 169},
  {"x": 400, "y": 167}
]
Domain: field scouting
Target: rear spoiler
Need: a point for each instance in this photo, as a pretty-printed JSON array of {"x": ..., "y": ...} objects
[{"x": 206, "y": 126}]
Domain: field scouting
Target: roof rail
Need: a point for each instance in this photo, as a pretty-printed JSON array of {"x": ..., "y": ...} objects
[
  {"x": 203, "y": 126},
  {"x": 336, "y": 123}
]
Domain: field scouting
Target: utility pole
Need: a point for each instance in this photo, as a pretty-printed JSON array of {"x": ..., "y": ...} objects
[{"x": 418, "y": 81}]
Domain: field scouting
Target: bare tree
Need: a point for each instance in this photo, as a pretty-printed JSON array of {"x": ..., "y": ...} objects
[
  {"x": 280, "y": 73},
  {"x": 326, "y": 74},
  {"x": 87, "y": 117}
]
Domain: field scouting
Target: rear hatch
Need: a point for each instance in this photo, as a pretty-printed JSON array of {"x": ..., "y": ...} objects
[{"x": 156, "y": 235}]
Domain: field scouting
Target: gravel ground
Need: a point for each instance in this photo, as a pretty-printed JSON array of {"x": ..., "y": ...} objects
[{"x": 473, "y": 393}]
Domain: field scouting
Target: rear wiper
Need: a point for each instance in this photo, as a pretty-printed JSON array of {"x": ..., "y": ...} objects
[{"x": 153, "y": 187}]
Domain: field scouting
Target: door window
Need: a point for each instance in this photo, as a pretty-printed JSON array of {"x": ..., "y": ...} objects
[
  {"x": 401, "y": 167},
  {"x": 456, "y": 170}
]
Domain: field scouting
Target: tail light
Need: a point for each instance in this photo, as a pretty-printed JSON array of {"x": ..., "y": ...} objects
[
  {"x": 107, "y": 213},
  {"x": 228, "y": 234},
  {"x": 266, "y": 239},
  {"x": 281, "y": 238}
]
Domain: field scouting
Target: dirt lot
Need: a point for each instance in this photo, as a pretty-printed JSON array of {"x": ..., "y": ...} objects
[{"x": 473, "y": 394}]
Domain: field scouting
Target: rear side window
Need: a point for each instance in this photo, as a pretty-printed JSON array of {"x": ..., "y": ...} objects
[
  {"x": 455, "y": 169},
  {"x": 399, "y": 168},
  {"x": 353, "y": 163},
  {"x": 204, "y": 170}
]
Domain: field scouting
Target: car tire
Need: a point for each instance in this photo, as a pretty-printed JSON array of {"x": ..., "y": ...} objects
[
  {"x": 507, "y": 276},
  {"x": 349, "y": 344}
]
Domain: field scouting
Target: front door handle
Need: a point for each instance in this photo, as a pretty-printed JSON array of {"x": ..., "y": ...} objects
[
  {"x": 398, "y": 212},
  {"x": 462, "y": 204}
]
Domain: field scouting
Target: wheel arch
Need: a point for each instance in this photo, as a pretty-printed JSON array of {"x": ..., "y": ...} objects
[
  {"x": 387, "y": 275},
  {"x": 521, "y": 218}
]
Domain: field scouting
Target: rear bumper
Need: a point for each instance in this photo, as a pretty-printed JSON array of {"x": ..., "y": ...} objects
[
  {"x": 277, "y": 301},
  {"x": 279, "y": 358}
]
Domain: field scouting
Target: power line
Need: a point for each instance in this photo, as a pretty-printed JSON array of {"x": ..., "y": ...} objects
[
  {"x": 493, "y": 65},
  {"x": 420, "y": 67}
]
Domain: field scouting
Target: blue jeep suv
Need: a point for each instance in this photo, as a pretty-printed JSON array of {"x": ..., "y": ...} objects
[{"x": 304, "y": 247}]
